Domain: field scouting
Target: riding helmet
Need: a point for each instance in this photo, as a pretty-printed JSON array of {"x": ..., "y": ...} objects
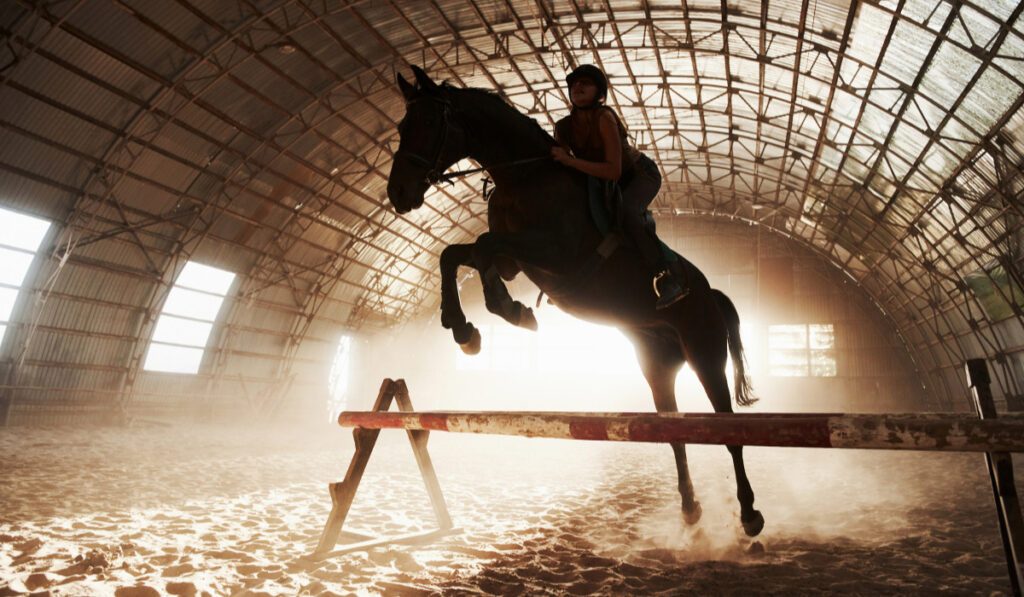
[{"x": 593, "y": 73}]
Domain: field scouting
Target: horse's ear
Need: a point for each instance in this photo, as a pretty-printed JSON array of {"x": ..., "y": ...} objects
[
  {"x": 408, "y": 90},
  {"x": 426, "y": 84}
]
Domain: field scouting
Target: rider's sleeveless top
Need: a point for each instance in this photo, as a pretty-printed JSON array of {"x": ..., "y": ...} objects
[{"x": 587, "y": 144}]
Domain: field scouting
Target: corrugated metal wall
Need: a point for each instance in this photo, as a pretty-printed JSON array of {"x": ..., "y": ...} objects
[{"x": 775, "y": 281}]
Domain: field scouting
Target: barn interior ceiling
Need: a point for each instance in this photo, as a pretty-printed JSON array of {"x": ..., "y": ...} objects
[{"x": 257, "y": 136}]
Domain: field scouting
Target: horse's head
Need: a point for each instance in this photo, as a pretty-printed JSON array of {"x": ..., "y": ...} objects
[{"x": 429, "y": 141}]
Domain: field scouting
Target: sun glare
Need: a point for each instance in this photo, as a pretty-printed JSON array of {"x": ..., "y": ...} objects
[
  {"x": 338, "y": 379},
  {"x": 566, "y": 354},
  {"x": 562, "y": 344}
]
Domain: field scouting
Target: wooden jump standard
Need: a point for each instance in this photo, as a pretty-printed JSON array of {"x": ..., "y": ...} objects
[{"x": 996, "y": 437}]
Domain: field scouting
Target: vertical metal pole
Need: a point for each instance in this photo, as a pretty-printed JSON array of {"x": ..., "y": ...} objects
[{"x": 1000, "y": 470}]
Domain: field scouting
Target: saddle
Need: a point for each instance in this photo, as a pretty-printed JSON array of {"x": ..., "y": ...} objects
[{"x": 605, "y": 200}]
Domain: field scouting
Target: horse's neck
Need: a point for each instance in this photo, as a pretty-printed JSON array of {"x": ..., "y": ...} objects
[{"x": 500, "y": 139}]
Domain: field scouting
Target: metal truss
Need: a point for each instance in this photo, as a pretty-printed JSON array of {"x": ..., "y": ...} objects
[{"x": 825, "y": 122}]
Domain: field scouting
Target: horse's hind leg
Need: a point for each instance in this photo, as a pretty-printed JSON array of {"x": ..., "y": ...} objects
[
  {"x": 452, "y": 316},
  {"x": 660, "y": 361},
  {"x": 709, "y": 364}
]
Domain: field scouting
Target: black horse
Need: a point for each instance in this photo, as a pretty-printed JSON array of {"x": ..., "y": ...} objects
[{"x": 540, "y": 224}]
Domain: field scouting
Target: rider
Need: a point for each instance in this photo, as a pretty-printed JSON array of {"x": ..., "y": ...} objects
[{"x": 593, "y": 140}]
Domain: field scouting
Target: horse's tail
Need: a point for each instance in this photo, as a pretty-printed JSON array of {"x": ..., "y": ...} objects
[{"x": 741, "y": 382}]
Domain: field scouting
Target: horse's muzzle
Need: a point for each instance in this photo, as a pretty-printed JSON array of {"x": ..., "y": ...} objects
[
  {"x": 404, "y": 199},
  {"x": 405, "y": 192}
]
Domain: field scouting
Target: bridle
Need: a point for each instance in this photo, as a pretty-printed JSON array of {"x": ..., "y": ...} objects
[{"x": 435, "y": 174}]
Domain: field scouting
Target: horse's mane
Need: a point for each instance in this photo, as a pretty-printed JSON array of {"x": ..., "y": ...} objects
[{"x": 500, "y": 104}]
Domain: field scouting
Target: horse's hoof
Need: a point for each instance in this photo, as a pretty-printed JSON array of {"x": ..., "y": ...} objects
[
  {"x": 463, "y": 332},
  {"x": 692, "y": 515},
  {"x": 753, "y": 526},
  {"x": 526, "y": 318},
  {"x": 472, "y": 346}
]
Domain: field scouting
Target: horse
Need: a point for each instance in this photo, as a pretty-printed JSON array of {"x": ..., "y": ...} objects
[{"x": 539, "y": 224}]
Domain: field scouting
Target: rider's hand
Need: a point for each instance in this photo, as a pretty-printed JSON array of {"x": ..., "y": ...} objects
[{"x": 560, "y": 155}]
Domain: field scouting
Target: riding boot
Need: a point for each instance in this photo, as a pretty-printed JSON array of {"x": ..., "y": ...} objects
[{"x": 668, "y": 289}]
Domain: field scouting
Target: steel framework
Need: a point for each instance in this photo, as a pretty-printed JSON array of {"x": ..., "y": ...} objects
[{"x": 257, "y": 135}]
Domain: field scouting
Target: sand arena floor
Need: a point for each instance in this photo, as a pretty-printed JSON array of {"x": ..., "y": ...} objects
[{"x": 157, "y": 511}]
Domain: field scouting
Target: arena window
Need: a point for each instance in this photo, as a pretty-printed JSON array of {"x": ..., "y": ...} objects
[
  {"x": 184, "y": 326},
  {"x": 20, "y": 237},
  {"x": 802, "y": 350},
  {"x": 998, "y": 293}
]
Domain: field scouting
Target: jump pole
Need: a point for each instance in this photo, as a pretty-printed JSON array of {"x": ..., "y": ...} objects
[{"x": 932, "y": 432}]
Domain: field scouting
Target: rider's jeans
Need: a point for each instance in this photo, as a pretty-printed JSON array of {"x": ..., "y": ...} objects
[{"x": 637, "y": 193}]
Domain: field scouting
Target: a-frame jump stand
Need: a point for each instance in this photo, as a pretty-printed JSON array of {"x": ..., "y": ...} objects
[{"x": 343, "y": 492}]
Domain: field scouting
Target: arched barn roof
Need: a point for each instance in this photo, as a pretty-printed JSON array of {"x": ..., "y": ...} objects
[{"x": 256, "y": 136}]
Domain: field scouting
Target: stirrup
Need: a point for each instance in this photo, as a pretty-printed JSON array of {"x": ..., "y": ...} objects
[
  {"x": 670, "y": 299},
  {"x": 657, "y": 278}
]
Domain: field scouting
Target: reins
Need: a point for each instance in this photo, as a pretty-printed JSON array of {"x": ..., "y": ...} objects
[
  {"x": 451, "y": 176},
  {"x": 433, "y": 176}
]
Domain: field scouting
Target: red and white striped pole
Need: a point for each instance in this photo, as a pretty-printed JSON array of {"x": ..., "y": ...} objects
[{"x": 944, "y": 432}]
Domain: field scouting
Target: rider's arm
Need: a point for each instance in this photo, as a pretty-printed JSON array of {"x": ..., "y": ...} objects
[{"x": 611, "y": 167}]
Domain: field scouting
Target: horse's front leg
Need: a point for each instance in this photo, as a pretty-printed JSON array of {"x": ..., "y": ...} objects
[
  {"x": 452, "y": 316},
  {"x": 538, "y": 248},
  {"x": 498, "y": 300}
]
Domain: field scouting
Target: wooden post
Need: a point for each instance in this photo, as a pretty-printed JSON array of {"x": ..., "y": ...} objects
[
  {"x": 418, "y": 438},
  {"x": 1000, "y": 470},
  {"x": 342, "y": 493}
]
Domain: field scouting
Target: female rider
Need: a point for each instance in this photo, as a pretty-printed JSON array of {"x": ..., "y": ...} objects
[{"x": 593, "y": 140}]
